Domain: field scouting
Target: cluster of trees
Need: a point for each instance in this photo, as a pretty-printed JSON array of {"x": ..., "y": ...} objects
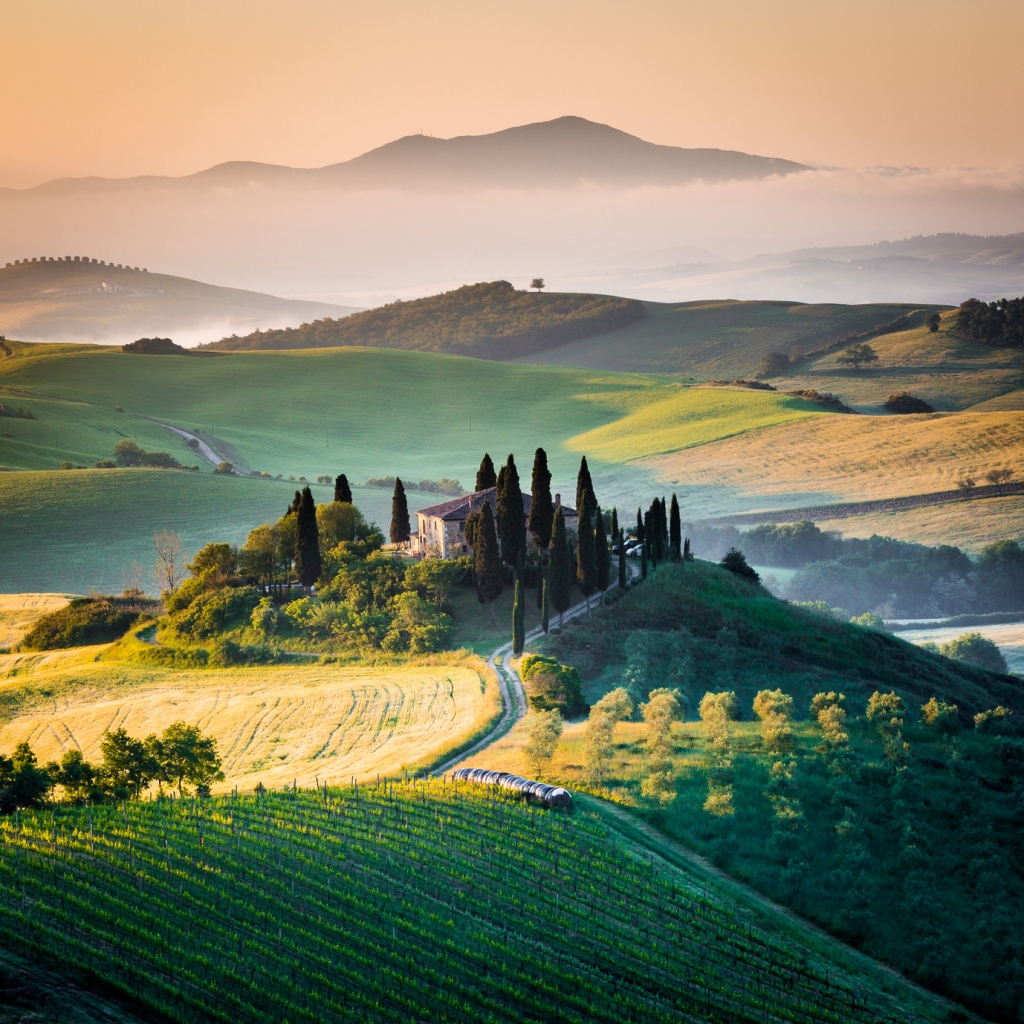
[
  {"x": 181, "y": 757},
  {"x": 18, "y": 413},
  {"x": 446, "y": 486},
  {"x": 87, "y": 620},
  {"x": 155, "y": 347},
  {"x": 129, "y": 453},
  {"x": 906, "y": 404},
  {"x": 490, "y": 320},
  {"x": 995, "y": 323}
]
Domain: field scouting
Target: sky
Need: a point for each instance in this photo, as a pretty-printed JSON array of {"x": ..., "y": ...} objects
[{"x": 117, "y": 88}]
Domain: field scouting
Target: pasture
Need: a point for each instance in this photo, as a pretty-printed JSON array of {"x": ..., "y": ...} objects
[
  {"x": 272, "y": 724},
  {"x": 428, "y": 902}
]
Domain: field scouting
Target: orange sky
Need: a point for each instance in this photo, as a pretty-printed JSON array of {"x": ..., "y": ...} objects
[{"x": 171, "y": 86}]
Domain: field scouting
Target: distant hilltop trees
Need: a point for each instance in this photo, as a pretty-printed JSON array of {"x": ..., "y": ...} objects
[
  {"x": 154, "y": 347},
  {"x": 63, "y": 260},
  {"x": 995, "y": 323},
  {"x": 491, "y": 320}
]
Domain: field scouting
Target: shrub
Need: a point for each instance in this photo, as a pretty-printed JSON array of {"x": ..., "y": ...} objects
[
  {"x": 85, "y": 620},
  {"x": 216, "y": 610},
  {"x": 975, "y": 649},
  {"x": 736, "y": 562},
  {"x": 869, "y": 619},
  {"x": 940, "y": 715},
  {"x": 996, "y": 720},
  {"x": 553, "y": 686},
  {"x": 774, "y": 363},
  {"x": 264, "y": 618},
  {"x": 905, "y": 404}
]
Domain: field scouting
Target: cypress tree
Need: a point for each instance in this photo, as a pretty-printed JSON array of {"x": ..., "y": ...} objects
[
  {"x": 584, "y": 485},
  {"x": 602, "y": 563},
  {"x": 542, "y": 511},
  {"x": 518, "y": 626},
  {"x": 342, "y": 491},
  {"x": 687, "y": 553},
  {"x": 622, "y": 560},
  {"x": 544, "y": 610},
  {"x": 540, "y": 578},
  {"x": 308, "y": 564},
  {"x": 399, "y": 514},
  {"x": 675, "y": 534},
  {"x": 294, "y": 506},
  {"x": 643, "y": 560},
  {"x": 511, "y": 516},
  {"x": 486, "y": 562},
  {"x": 586, "y": 560},
  {"x": 651, "y": 535},
  {"x": 485, "y": 478},
  {"x": 615, "y": 524},
  {"x": 663, "y": 528},
  {"x": 639, "y": 527},
  {"x": 559, "y": 582}
]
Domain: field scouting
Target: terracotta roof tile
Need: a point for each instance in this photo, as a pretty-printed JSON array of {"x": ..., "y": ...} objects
[{"x": 459, "y": 509}]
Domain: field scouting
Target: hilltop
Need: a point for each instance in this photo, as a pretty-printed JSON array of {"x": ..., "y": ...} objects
[
  {"x": 557, "y": 153},
  {"x": 490, "y": 320},
  {"x": 81, "y": 298}
]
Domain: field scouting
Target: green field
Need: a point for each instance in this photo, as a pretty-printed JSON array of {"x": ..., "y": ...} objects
[
  {"x": 708, "y": 340},
  {"x": 410, "y": 902}
]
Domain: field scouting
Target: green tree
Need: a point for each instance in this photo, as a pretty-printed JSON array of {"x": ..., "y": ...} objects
[
  {"x": 400, "y": 527},
  {"x": 23, "y": 783},
  {"x": 736, "y": 562},
  {"x": 544, "y": 729},
  {"x": 857, "y": 355},
  {"x": 338, "y": 521},
  {"x": 128, "y": 453},
  {"x": 79, "y": 779},
  {"x": 342, "y": 490},
  {"x": 612, "y": 708},
  {"x": 262, "y": 558},
  {"x": 487, "y": 562},
  {"x": 775, "y": 710},
  {"x": 129, "y": 764},
  {"x": 675, "y": 533},
  {"x": 485, "y": 478},
  {"x": 774, "y": 363},
  {"x": 542, "y": 510},
  {"x": 664, "y": 706},
  {"x": 545, "y": 612},
  {"x": 221, "y": 558},
  {"x": 308, "y": 562},
  {"x": 511, "y": 516},
  {"x": 187, "y": 758},
  {"x": 559, "y": 582},
  {"x": 538, "y": 283},
  {"x": 518, "y": 625},
  {"x": 602, "y": 560},
  {"x": 584, "y": 485},
  {"x": 885, "y": 711},
  {"x": 586, "y": 559},
  {"x": 975, "y": 649},
  {"x": 622, "y": 560},
  {"x": 613, "y": 532},
  {"x": 932, "y": 321}
]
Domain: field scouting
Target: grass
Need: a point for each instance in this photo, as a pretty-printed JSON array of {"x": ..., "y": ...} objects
[
  {"x": 272, "y": 724},
  {"x": 19, "y": 612},
  {"x": 408, "y": 902},
  {"x": 726, "y": 339},
  {"x": 691, "y": 417}
]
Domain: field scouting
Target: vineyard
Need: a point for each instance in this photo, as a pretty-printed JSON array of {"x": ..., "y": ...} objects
[{"x": 400, "y": 902}]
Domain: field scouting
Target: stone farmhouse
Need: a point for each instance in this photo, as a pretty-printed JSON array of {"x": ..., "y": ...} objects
[{"x": 441, "y": 529}]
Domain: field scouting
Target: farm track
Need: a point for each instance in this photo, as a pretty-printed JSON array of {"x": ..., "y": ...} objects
[{"x": 821, "y": 513}]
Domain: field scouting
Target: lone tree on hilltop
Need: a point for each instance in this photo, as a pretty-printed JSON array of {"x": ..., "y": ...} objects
[
  {"x": 511, "y": 516},
  {"x": 538, "y": 283},
  {"x": 342, "y": 491},
  {"x": 584, "y": 484},
  {"x": 774, "y": 363},
  {"x": 932, "y": 321},
  {"x": 485, "y": 477},
  {"x": 308, "y": 563},
  {"x": 857, "y": 355},
  {"x": 542, "y": 511},
  {"x": 675, "y": 533},
  {"x": 736, "y": 562},
  {"x": 486, "y": 561},
  {"x": 399, "y": 514},
  {"x": 559, "y": 583}
]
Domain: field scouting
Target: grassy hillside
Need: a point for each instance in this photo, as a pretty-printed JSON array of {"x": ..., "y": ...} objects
[
  {"x": 272, "y": 724},
  {"x": 19, "y": 612},
  {"x": 79, "y": 299},
  {"x": 724, "y": 339},
  {"x": 883, "y": 845},
  {"x": 490, "y": 320},
  {"x": 407, "y": 902}
]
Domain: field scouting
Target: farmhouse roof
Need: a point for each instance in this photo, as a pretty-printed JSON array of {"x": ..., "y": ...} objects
[{"x": 459, "y": 509}]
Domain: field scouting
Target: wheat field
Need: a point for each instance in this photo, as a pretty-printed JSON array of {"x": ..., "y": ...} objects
[
  {"x": 851, "y": 458},
  {"x": 273, "y": 724},
  {"x": 19, "y": 612}
]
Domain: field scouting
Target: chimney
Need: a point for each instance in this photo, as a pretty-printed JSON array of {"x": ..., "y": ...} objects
[{"x": 558, "y": 500}]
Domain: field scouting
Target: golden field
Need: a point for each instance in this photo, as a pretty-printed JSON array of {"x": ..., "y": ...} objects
[
  {"x": 19, "y": 612},
  {"x": 273, "y": 724}
]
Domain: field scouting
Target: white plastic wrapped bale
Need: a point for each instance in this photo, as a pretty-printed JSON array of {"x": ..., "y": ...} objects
[{"x": 550, "y": 796}]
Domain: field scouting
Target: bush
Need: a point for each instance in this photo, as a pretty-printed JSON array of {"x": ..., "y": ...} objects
[
  {"x": 214, "y": 611},
  {"x": 940, "y": 715},
  {"x": 869, "y": 619},
  {"x": 154, "y": 347},
  {"x": 905, "y": 404},
  {"x": 736, "y": 562},
  {"x": 85, "y": 620},
  {"x": 996, "y": 720},
  {"x": 975, "y": 649},
  {"x": 551, "y": 686}
]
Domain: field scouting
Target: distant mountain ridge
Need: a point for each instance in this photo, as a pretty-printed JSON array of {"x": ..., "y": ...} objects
[{"x": 557, "y": 153}]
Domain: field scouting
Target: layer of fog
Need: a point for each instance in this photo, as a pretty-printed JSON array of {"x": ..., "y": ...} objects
[{"x": 366, "y": 248}]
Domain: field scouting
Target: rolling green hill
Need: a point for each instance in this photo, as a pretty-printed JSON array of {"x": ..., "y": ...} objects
[
  {"x": 491, "y": 321},
  {"x": 404, "y": 902}
]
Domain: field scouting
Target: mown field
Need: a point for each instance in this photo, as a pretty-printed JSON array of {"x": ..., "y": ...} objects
[
  {"x": 410, "y": 902},
  {"x": 273, "y": 724}
]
